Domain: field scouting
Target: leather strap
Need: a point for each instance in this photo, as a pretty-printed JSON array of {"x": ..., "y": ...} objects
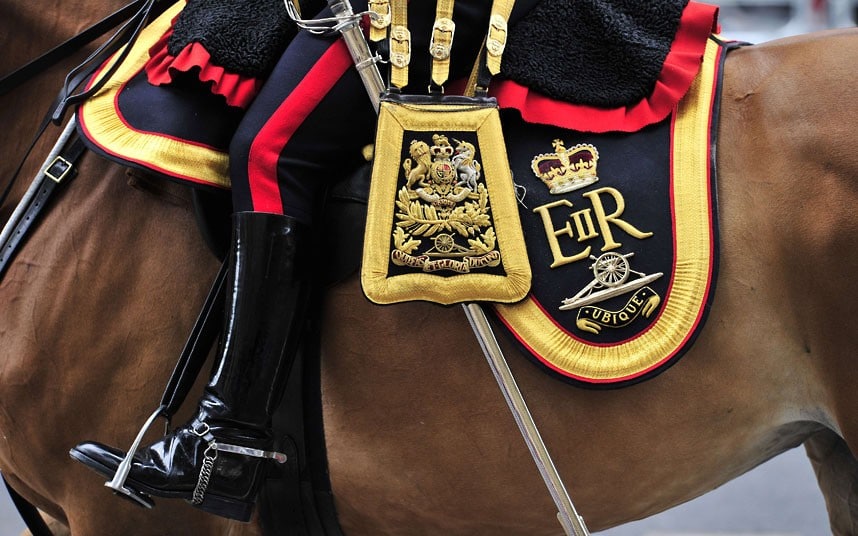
[
  {"x": 201, "y": 339},
  {"x": 32, "y": 68},
  {"x": 123, "y": 41},
  {"x": 60, "y": 171},
  {"x": 441, "y": 42},
  {"x": 141, "y": 10},
  {"x": 400, "y": 44}
]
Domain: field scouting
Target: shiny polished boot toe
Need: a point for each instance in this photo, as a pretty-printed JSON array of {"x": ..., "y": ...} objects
[
  {"x": 100, "y": 458},
  {"x": 176, "y": 467},
  {"x": 105, "y": 461}
]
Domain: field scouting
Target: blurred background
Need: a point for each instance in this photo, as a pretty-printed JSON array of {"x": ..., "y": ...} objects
[
  {"x": 762, "y": 20},
  {"x": 780, "y": 498}
]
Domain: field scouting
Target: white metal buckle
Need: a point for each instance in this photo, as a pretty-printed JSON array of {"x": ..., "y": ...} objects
[
  {"x": 496, "y": 40},
  {"x": 441, "y": 42},
  {"x": 58, "y": 169}
]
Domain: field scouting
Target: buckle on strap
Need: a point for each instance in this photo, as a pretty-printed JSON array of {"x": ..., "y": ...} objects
[
  {"x": 442, "y": 38},
  {"x": 496, "y": 40},
  {"x": 58, "y": 169},
  {"x": 400, "y": 46},
  {"x": 379, "y": 13}
]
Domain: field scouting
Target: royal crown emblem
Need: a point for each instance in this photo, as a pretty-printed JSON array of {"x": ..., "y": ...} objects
[{"x": 566, "y": 170}]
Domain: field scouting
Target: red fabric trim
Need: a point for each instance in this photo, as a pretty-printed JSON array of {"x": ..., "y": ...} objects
[
  {"x": 680, "y": 68},
  {"x": 291, "y": 114},
  {"x": 238, "y": 90}
]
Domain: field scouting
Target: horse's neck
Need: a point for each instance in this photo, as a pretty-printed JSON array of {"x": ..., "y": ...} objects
[{"x": 31, "y": 28}]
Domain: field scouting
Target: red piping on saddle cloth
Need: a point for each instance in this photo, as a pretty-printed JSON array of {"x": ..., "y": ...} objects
[
  {"x": 238, "y": 90},
  {"x": 682, "y": 64}
]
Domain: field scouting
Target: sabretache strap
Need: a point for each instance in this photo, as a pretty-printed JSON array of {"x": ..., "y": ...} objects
[
  {"x": 400, "y": 44},
  {"x": 441, "y": 42},
  {"x": 379, "y": 23},
  {"x": 497, "y": 34}
]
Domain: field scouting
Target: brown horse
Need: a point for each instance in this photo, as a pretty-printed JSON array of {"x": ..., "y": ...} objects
[{"x": 100, "y": 299}]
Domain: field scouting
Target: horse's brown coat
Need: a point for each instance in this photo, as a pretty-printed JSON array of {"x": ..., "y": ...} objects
[{"x": 99, "y": 302}]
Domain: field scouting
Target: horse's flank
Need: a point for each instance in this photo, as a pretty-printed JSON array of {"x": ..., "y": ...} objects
[
  {"x": 419, "y": 440},
  {"x": 773, "y": 366}
]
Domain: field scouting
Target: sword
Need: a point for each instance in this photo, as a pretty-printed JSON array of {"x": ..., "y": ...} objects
[{"x": 345, "y": 21}]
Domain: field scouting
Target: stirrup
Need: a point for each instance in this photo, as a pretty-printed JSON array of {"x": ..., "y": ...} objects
[{"x": 117, "y": 484}]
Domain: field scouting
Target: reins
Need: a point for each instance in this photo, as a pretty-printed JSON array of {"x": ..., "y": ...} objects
[
  {"x": 135, "y": 15},
  {"x": 26, "y": 72}
]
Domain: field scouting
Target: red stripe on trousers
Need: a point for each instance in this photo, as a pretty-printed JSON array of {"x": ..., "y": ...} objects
[{"x": 291, "y": 114}]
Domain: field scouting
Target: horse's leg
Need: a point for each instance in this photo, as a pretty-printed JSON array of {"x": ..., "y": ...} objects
[{"x": 837, "y": 473}]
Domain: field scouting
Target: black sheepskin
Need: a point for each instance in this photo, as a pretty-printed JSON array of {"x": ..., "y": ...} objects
[
  {"x": 604, "y": 53},
  {"x": 243, "y": 36}
]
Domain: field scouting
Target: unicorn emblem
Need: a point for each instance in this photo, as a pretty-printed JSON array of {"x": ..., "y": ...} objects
[{"x": 467, "y": 168}]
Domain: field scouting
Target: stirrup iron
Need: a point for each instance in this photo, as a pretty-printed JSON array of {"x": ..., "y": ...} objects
[{"x": 118, "y": 483}]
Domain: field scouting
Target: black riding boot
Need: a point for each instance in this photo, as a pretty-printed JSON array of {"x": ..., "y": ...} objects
[{"x": 217, "y": 461}]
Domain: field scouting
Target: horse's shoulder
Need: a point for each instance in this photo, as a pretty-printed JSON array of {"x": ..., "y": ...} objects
[{"x": 795, "y": 95}]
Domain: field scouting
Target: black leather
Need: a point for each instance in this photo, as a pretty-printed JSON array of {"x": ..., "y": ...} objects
[
  {"x": 61, "y": 171},
  {"x": 266, "y": 298}
]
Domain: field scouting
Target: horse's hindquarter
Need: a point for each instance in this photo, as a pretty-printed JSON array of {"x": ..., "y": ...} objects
[{"x": 420, "y": 440}]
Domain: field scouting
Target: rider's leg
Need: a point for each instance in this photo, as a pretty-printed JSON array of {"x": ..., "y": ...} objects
[
  {"x": 266, "y": 295},
  {"x": 306, "y": 127},
  {"x": 279, "y": 160}
]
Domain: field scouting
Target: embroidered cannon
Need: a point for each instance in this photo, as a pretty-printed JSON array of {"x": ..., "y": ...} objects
[{"x": 611, "y": 272}]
